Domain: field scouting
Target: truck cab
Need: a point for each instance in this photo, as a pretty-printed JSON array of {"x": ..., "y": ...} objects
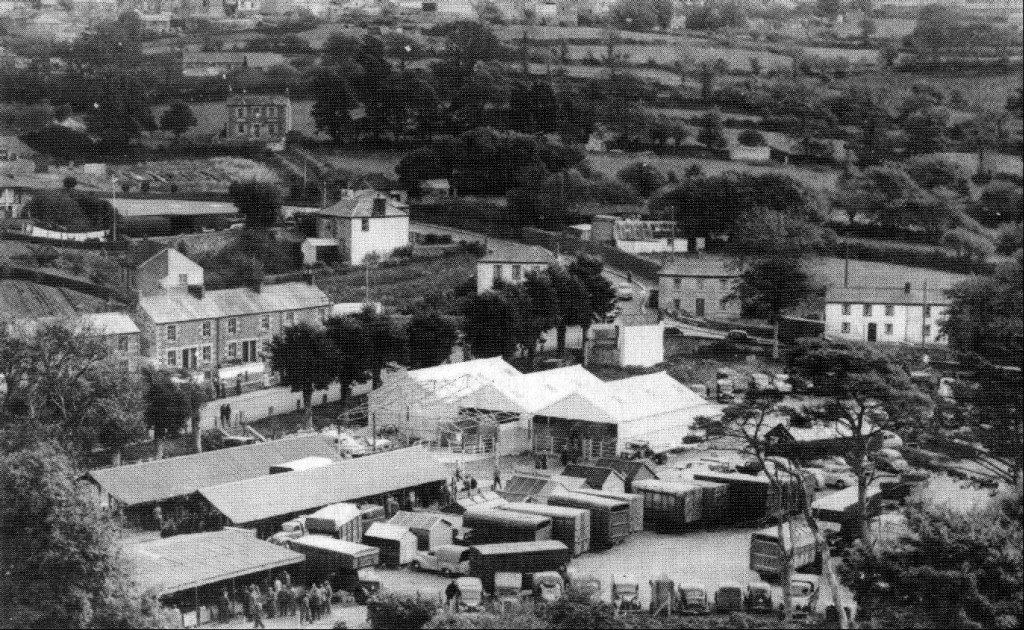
[
  {"x": 446, "y": 560},
  {"x": 803, "y": 587}
]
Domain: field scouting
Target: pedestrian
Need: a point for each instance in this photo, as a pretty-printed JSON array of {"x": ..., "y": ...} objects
[
  {"x": 390, "y": 506},
  {"x": 565, "y": 458},
  {"x": 466, "y": 485},
  {"x": 305, "y": 609},
  {"x": 315, "y": 602},
  {"x": 472, "y": 484},
  {"x": 272, "y": 610},
  {"x": 227, "y": 412},
  {"x": 452, "y": 595},
  {"x": 497, "y": 479},
  {"x": 286, "y": 578},
  {"x": 284, "y": 602},
  {"x": 158, "y": 516},
  {"x": 225, "y": 606},
  {"x": 257, "y": 608},
  {"x": 328, "y": 593}
]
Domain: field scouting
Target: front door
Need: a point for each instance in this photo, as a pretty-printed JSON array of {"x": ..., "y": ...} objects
[
  {"x": 872, "y": 332},
  {"x": 700, "y": 307}
]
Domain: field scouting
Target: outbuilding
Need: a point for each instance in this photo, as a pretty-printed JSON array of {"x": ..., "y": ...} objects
[
  {"x": 431, "y": 529},
  {"x": 397, "y": 544}
]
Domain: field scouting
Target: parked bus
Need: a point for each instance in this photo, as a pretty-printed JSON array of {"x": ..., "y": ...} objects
[
  {"x": 495, "y": 526},
  {"x": 609, "y": 518},
  {"x": 517, "y": 557}
]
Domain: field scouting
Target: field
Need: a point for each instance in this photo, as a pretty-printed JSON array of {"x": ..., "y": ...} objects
[
  {"x": 611, "y": 163},
  {"x": 680, "y": 112},
  {"x": 737, "y": 58},
  {"x": 357, "y": 161},
  {"x": 402, "y": 285},
  {"x": 853, "y": 55},
  {"x": 980, "y": 92}
]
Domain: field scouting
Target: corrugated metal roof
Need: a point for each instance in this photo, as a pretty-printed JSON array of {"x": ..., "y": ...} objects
[
  {"x": 420, "y": 520},
  {"x": 165, "y": 207},
  {"x": 595, "y": 476},
  {"x": 273, "y": 298},
  {"x": 178, "y": 476},
  {"x": 301, "y": 491},
  {"x": 360, "y": 206},
  {"x": 628, "y": 468},
  {"x": 171, "y": 565},
  {"x": 520, "y": 547},
  {"x": 883, "y": 295},
  {"x": 386, "y": 531}
]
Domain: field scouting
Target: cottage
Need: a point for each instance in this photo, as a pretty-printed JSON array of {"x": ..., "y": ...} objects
[
  {"x": 364, "y": 223},
  {"x": 509, "y": 262},
  {"x": 905, "y": 315},
  {"x": 698, "y": 286},
  {"x": 15, "y": 192}
]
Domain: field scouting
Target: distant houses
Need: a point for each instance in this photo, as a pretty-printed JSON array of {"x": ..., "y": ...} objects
[
  {"x": 903, "y": 315},
  {"x": 215, "y": 64}
]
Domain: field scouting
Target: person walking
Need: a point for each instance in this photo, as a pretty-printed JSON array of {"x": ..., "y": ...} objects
[
  {"x": 225, "y": 606},
  {"x": 257, "y": 608},
  {"x": 315, "y": 602},
  {"x": 272, "y": 610},
  {"x": 472, "y": 484},
  {"x": 452, "y": 595},
  {"x": 497, "y": 479},
  {"x": 284, "y": 602},
  {"x": 305, "y": 609}
]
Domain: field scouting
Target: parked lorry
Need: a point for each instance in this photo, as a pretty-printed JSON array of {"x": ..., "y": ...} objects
[
  {"x": 342, "y": 520},
  {"x": 491, "y": 525},
  {"x": 767, "y": 549},
  {"x": 568, "y": 525},
  {"x": 517, "y": 557},
  {"x": 609, "y": 518},
  {"x": 670, "y": 504},
  {"x": 635, "y": 501},
  {"x": 345, "y": 563},
  {"x": 655, "y": 451}
]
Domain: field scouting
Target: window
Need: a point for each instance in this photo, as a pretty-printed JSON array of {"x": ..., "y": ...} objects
[
  {"x": 888, "y": 329},
  {"x": 265, "y": 322},
  {"x": 927, "y": 311},
  {"x": 365, "y": 224},
  {"x": 241, "y": 128},
  {"x": 289, "y": 319},
  {"x": 172, "y": 332},
  {"x": 239, "y": 112},
  {"x": 232, "y": 325},
  {"x": 232, "y": 350},
  {"x": 271, "y": 112},
  {"x": 677, "y": 283},
  {"x": 272, "y": 130},
  {"x": 257, "y": 131},
  {"x": 207, "y": 329},
  {"x": 122, "y": 343},
  {"x": 255, "y": 110},
  {"x": 677, "y": 304},
  {"x": 846, "y": 309},
  {"x": 207, "y": 353},
  {"x": 700, "y": 283},
  {"x": 846, "y": 327},
  {"x": 724, "y": 282},
  {"x": 182, "y": 278},
  {"x": 890, "y": 310},
  {"x": 867, "y": 310},
  {"x": 517, "y": 272},
  {"x": 927, "y": 330},
  {"x": 172, "y": 358}
]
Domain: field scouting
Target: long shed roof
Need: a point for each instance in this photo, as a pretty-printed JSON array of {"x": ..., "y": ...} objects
[
  {"x": 272, "y": 298},
  {"x": 179, "y": 476},
  {"x": 171, "y": 565},
  {"x": 271, "y": 496}
]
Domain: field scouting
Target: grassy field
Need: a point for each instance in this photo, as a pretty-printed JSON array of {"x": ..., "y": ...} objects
[
  {"x": 357, "y": 161},
  {"x": 853, "y": 55},
  {"x": 980, "y": 92},
  {"x": 680, "y": 112},
  {"x": 611, "y": 163},
  {"x": 402, "y": 285},
  {"x": 737, "y": 58}
]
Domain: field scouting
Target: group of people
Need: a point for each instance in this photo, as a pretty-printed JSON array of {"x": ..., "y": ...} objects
[
  {"x": 225, "y": 415},
  {"x": 280, "y": 599},
  {"x": 461, "y": 482}
]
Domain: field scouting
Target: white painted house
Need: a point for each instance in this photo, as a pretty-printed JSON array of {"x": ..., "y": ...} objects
[
  {"x": 509, "y": 262},
  {"x": 365, "y": 222},
  {"x": 904, "y": 315}
]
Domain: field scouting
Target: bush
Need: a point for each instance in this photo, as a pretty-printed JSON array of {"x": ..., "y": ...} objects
[
  {"x": 751, "y": 138},
  {"x": 390, "y": 611},
  {"x": 1009, "y": 238},
  {"x": 968, "y": 245}
]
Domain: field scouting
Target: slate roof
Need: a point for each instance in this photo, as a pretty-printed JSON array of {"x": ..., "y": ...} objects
[
  {"x": 171, "y": 565},
  {"x": 270, "y": 496},
  {"x": 507, "y": 251},
  {"x": 888, "y": 296},
  {"x": 628, "y": 468},
  {"x": 171, "y": 207},
  {"x": 595, "y": 476},
  {"x": 420, "y": 520},
  {"x": 163, "y": 479},
  {"x": 13, "y": 144},
  {"x": 699, "y": 267},
  {"x": 273, "y": 298},
  {"x": 360, "y": 206}
]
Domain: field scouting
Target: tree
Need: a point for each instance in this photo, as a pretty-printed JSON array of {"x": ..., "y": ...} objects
[
  {"x": 170, "y": 403},
  {"x": 968, "y": 245},
  {"x": 642, "y": 15},
  {"x": 573, "y": 303},
  {"x": 829, "y": 8},
  {"x": 926, "y": 130},
  {"x": 259, "y": 202},
  {"x": 351, "y": 344},
  {"x": 541, "y": 308},
  {"x": 1000, "y": 202},
  {"x": 336, "y": 107},
  {"x": 985, "y": 315},
  {"x": 642, "y": 176},
  {"x": 178, "y": 118},
  {"x": 121, "y": 112},
  {"x": 1009, "y": 238},
  {"x": 431, "y": 337},
  {"x": 772, "y": 286},
  {"x": 306, "y": 360},
  {"x": 936, "y": 173},
  {"x": 765, "y": 233},
  {"x": 386, "y": 342},
  {"x": 865, "y": 393},
  {"x": 492, "y": 325},
  {"x": 62, "y": 383},
  {"x": 751, "y": 138},
  {"x": 712, "y": 132},
  {"x": 949, "y": 568},
  {"x": 63, "y": 565},
  {"x": 388, "y": 611},
  {"x": 601, "y": 294}
]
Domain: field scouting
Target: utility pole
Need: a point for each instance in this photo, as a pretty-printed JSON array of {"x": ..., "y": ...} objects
[
  {"x": 846, "y": 267},
  {"x": 924, "y": 313},
  {"x": 113, "y": 219}
]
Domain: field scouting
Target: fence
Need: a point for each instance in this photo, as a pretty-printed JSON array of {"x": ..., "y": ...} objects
[{"x": 623, "y": 261}]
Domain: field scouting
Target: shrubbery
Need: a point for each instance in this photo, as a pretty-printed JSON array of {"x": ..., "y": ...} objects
[{"x": 388, "y": 611}]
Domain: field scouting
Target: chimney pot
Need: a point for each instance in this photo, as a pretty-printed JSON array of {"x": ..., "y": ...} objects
[{"x": 379, "y": 206}]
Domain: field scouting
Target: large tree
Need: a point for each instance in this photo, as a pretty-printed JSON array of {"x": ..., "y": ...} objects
[
  {"x": 431, "y": 337},
  {"x": 121, "y": 112},
  {"x": 170, "y": 403},
  {"x": 386, "y": 342},
  {"x": 986, "y": 314},
  {"x": 573, "y": 303},
  {"x": 259, "y": 202},
  {"x": 178, "y": 118},
  {"x": 306, "y": 360},
  {"x": 540, "y": 308},
  {"x": 491, "y": 324},
  {"x": 600, "y": 293},
  {"x": 336, "y": 108},
  {"x": 349, "y": 337},
  {"x": 62, "y": 557}
]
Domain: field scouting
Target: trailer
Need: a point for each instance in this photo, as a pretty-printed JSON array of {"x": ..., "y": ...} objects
[
  {"x": 635, "y": 501},
  {"x": 341, "y": 520},
  {"x": 347, "y": 564},
  {"x": 714, "y": 502},
  {"x": 609, "y": 518},
  {"x": 568, "y": 525},
  {"x": 767, "y": 549},
  {"x": 841, "y": 508},
  {"x": 670, "y": 504},
  {"x": 492, "y": 525},
  {"x": 753, "y": 497},
  {"x": 519, "y": 557},
  {"x": 396, "y": 543}
]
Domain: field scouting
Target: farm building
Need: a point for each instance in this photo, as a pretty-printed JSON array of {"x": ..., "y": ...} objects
[
  {"x": 162, "y": 217},
  {"x": 699, "y": 286},
  {"x": 523, "y": 488},
  {"x": 138, "y": 488},
  {"x": 191, "y": 570},
  {"x": 397, "y": 544},
  {"x": 631, "y": 469},
  {"x": 266, "y": 502},
  {"x": 575, "y": 476},
  {"x": 899, "y": 315},
  {"x": 431, "y": 529}
]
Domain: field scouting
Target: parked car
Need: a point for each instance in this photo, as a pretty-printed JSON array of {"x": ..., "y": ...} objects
[
  {"x": 624, "y": 291},
  {"x": 693, "y": 599},
  {"x": 890, "y": 460},
  {"x": 347, "y": 443},
  {"x": 800, "y": 384},
  {"x": 471, "y": 591},
  {"x": 758, "y": 598},
  {"x": 837, "y": 476},
  {"x": 760, "y": 382},
  {"x": 625, "y": 592},
  {"x": 803, "y": 588},
  {"x": 737, "y": 335},
  {"x": 781, "y": 384},
  {"x": 446, "y": 560}
]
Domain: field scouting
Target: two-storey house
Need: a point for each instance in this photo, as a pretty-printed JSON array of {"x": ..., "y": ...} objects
[
  {"x": 508, "y": 262},
  {"x": 905, "y": 314},
  {"x": 363, "y": 223},
  {"x": 258, "y": 118},
  {"x": 699, "y": 286}
]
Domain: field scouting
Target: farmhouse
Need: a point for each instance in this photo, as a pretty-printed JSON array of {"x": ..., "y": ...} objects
[
  {"x": 699, "y": 286},
  {"x": 904, "y": 315},
  {"x": 257, "y": 118},
  {"x": 509, "y": 262},
  {"x": 640, "y": 237},
  {"x": 364, "y": 223}
]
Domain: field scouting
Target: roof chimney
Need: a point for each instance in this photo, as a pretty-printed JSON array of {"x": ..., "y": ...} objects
[
  {"x": 380, "y": 204},
  {"x": 906, "y": 288}
]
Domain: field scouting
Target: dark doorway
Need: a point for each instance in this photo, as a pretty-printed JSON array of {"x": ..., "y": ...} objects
[
  {"x": 699, "y": 307},
  {"x": 872, "y": 332}
]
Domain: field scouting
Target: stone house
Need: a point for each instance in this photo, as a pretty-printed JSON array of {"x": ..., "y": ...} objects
[
  {"x": 509, "y": 262},
  {"x": 699, "y": 286},
  {"x": 363, "y": 223}
]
